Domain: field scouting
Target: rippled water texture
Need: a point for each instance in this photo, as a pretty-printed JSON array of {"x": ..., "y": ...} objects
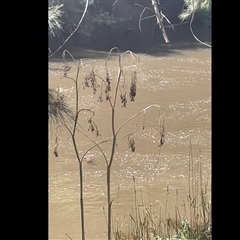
[{"x": 181, "y": 84}]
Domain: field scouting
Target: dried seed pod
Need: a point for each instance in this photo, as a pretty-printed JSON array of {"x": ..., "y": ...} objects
[
  {"x": 161, "y": 142},
  {"x": 100, "y": 98},
  {"x": 108, "y": 82},
  {"x": 107, "y": 86},
  {"x": 108, "y": 97},
  {"x": 162, "y": 135},
  {"x": 66, "y": 68},
  {"x": 131, "y": 143},
  {"x": 93, "y": 127},
  {"x": 56, "y": 147},
  {"x": 123, "y": 99},
  {"x": 91, "y": 81},
  {"x": 133, "y": 86},
  {"x": 55, "y": 153}
]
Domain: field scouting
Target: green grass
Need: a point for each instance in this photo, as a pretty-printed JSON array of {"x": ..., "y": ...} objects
[{"x": 192, "y": 220}]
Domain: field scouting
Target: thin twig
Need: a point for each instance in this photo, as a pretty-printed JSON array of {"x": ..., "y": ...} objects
[
  {"x": 79, "y": 23},
  {"x": 140, "y": 18},
  {"x": 153, "y": 27},
  {"x": 64, "y": 56},
  {"x": 148, "y": 17},
  {"x": 66, "y": 235},
  {"x": 167, "y": 20},
  {"x": 142, "y": 111},
  {"x": 190, "y": 26}
]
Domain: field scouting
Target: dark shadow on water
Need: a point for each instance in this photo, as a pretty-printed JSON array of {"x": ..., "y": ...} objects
[
  {"x": 83, "y": 54},
  {"x": 157, "y": 50},
  {"x": 162, "y": 50}
]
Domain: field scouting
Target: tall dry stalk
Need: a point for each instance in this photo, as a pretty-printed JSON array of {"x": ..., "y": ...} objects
[
  {"x": 106, "y": 85},
  {"x": 191, "y": 222},
  {"x": 90, "y": 80},
  {"x": 112, "y": 100},
  {"x": 73, "y": 128},
  {"x": 198, "y": 223},
  {"x": 115, "y": 132}
]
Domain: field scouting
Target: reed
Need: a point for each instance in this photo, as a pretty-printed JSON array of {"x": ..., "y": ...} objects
[{"x": 191, "y": 220}]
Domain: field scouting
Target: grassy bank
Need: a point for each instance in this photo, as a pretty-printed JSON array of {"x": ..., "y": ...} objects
[{"x": 192, "y": 215}]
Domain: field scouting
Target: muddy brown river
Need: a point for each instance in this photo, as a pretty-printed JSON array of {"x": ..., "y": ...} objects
[{"x": 180, "y": 82}]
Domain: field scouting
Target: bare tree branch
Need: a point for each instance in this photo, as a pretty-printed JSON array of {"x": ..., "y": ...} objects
[
  {"x": 194, "y": 34},
  {"x": 115, "y": 3},
  {"x": 79, "y": 23},
  {"x": 175, "y": 25},
  {"x": 153, "y": 27},
  {"x": 159, "y": 16},
  {"x": 143, "y": 7},
  {"x": 168, "y": 21},
  {"x": 140, "y": 17},
  {"x": 159, "y": 19},
  {"x": 148, "y": 17}
]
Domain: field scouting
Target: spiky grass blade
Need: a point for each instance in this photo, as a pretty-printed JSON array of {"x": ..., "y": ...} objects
[
  {"x": 54, "y": 15},
  {"x": 193, "y": 6},
  {"x": 58, "y": 110}
]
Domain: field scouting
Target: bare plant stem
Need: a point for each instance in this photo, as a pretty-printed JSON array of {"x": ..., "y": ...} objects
[
  {"x": 111, "y": 158},
  {"x": 77, "y": 154},
  {"x": 202, "y": 195},
  {"x": 191, "y": 188},
  {"x": 109, "y": 176},
  {"x": 80, "y": 186},
  {"x": 113, "y": 138}
]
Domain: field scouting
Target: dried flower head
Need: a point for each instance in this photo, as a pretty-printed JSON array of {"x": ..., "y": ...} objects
[
  {"x": 107, "y": 86},
  {"x": 55, "y": 153},
  {"x": 56, "y": 147},
  {"x": 123, "y": 99},
  {"x": 131, "y": 142},
  {"x": 66, "y": 68},
  {"x": 162, "y": 135},
  {"x": 100, "y": 98},
  {"x": 91, "y": 81},
  {"x": 108, "y": 82},
  {"x": 133, "y": 86},
  {"x": 108, "y": 97},
  {"x": 93, "y": 127}
]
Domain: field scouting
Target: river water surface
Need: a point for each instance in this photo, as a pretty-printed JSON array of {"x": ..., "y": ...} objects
[{"x": 181, "y": 83}]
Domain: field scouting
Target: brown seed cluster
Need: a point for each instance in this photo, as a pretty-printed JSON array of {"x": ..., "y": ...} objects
[
  {"x": 56, "y": 147},
  {"x": 108, "y": 86},
  {"x": 133, "y": 86},
  {"x": 131, "y": 143},
  {"x": 123, "y": 99},
  {"x": 162, "y": 135},
  {"x": 91, "y": 81},
  {"x": 100, "y": 98},
  {"x": 66, "y": 68},
  {"x": 93, "y": 127}
]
